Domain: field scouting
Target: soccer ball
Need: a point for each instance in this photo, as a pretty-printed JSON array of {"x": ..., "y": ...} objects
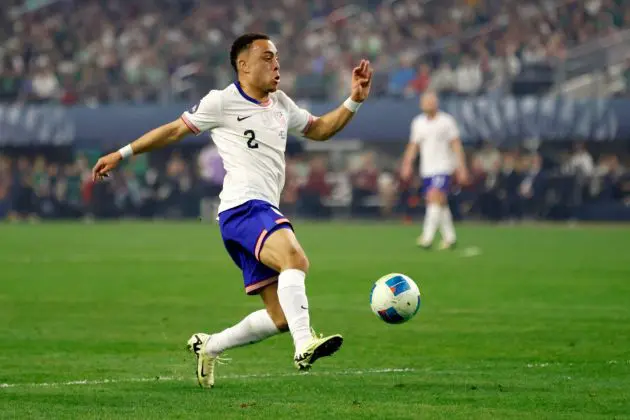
[{"x": 395, "y": 298}]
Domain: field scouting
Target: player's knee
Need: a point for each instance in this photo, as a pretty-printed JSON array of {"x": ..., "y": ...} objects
[
  {"x": 278, "y": 318},
  {"x": 297, "y": 259},
  {"x": 436, "y": 196}
]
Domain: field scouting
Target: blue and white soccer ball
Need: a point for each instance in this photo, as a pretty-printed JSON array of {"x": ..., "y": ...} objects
[{"x": 395, "y": 298}]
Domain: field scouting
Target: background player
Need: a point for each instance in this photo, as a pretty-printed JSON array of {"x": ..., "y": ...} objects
[
  {"x": 435, "y": 135},
  {"x": 249, "y": 121}
]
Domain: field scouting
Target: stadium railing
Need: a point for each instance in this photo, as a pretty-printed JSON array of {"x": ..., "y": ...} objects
[{"x": 593, "y": 68}]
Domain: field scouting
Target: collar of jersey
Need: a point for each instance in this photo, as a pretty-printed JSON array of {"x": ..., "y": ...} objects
[{"x": 249, "y": 98}]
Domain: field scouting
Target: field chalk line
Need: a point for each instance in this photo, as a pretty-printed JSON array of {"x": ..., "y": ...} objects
[{"x": 181, "y": 378}]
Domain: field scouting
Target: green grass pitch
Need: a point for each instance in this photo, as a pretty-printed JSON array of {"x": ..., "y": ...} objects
[{"x": 94, "y": 321}]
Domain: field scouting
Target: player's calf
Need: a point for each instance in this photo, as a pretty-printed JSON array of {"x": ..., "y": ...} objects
[
  {"x": 269, "y": 296},
  {"x": 283, "y": 253},
  {"x": 432, "y": 217}
]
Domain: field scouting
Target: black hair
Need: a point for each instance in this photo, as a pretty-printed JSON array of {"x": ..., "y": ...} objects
[{"x": 241, "y": 44}]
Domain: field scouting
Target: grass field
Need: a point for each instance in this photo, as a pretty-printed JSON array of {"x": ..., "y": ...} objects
[{"x": 94, "y": 320}]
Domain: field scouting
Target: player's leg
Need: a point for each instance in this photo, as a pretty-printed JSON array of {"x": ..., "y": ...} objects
[
  {"x": 242, "y": 229},
  {"x": 447, "y": 229},
  {"x": 433, "y": 213},
  {"x": 255, "y": 327},
  {"x": 283, "y": 253}
]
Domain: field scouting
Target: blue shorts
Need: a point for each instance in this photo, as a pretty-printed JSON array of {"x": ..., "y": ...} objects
[
  {"x": 438, "y": 182},
  {"x": 244, "y": 230}
]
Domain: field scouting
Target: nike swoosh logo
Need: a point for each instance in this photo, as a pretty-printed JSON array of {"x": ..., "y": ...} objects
[
  {"x": 242, "y": 118},
  {"x": 302, "y": 306},
  {"x": 197, "y": 345}
]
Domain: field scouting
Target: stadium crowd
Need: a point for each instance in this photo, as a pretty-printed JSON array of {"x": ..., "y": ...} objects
[
  {"x": 506, "y": 185},
  {"x": 102, "y": 51}
]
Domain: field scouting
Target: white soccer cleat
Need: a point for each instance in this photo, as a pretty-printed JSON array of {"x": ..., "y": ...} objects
[
  {"x": 423, "y": 244},
  {"x": 196, "y": 341},
  {"x": 205, "y": 363},
  {"x": 316, "y": 348},
  {"x": 444, "y": 245}
]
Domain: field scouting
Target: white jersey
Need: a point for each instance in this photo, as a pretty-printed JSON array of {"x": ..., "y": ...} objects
[
  {"x": 434, "y": 137},
  {"x": 251, "y": 138}
]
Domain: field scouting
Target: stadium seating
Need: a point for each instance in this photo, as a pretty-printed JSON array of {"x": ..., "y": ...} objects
[{"x": 143, "y": 51}]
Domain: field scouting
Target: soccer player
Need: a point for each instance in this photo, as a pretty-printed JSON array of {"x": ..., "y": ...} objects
[
  {"x": 249, "y": 122},
  {"x": 435, "y": 135}
]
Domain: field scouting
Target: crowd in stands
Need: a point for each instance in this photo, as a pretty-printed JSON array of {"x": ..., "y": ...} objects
[
  {"x": 506, "y": 185},
  {"x": 144, "y": 51}
]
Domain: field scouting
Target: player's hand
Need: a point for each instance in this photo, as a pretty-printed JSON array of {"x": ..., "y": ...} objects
[
  {"x": 361, "y": 81},
  {"x": 105, "y": 164},
  {"x": 463, "y": 176}
]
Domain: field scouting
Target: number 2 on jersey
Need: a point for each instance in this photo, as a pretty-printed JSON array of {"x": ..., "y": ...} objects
[{"x": 251, "y": 143}]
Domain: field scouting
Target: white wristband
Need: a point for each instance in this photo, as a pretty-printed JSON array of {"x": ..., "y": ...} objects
[
  {"x": 126, "y": 151},
  {"x": 352, "y": 105}
]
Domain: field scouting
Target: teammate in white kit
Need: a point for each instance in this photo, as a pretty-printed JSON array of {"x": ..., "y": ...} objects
[
  {"x": 249, "y": 122},
  {"x": 435, "y": 135}
]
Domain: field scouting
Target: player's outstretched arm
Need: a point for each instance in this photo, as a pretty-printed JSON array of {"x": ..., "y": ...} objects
[
  {"x": 328, "y": 125},
  {"x": 154, "y": 139}
]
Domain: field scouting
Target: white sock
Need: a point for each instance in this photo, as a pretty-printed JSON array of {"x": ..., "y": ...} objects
[
  {"x": 254, "y": 327},
  {"x": 431, "y": 222},
  {"x": 447, "y": 230},
  {"x": 292, "y": 297}
]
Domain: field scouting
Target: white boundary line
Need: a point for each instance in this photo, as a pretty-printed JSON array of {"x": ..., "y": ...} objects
[{"x": 353, "y": 372}]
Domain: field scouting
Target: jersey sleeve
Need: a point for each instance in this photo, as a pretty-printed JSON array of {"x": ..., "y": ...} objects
[
  {"x": 453, "y": 130},
  {"x": 415, "y": 135},
  {"x": 206, "y": 115},
  {"x": 299, "y": 119}
]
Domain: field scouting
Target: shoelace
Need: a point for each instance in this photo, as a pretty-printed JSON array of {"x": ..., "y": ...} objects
[
  {"x": 223, "y": 360},
  {"x": 314, "y": 334}
]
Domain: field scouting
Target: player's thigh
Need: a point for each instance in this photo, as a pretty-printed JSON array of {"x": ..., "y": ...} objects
[
  {"x": 282, "y": 251},
  {"x": 436, "y": 189},
  {"x": 269, "y": 296},
  {"x": 436, "y": 196}
]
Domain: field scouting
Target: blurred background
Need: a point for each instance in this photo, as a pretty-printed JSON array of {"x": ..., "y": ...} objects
[{"x": 539, "y": 88}]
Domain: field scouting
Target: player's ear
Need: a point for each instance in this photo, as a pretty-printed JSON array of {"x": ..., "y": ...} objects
[{"x": 242, "y": 65}]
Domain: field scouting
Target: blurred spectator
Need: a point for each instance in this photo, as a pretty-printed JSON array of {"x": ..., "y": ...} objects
[
  {"x": 291, "y": 191},
  {"x": 531, "y": 188},
  {"x": 509, "y": 181},
  {"x": 5, "y": 186},
  {"x": 364, "y": 181},
  {"x": 420, "y": 82},
  {"x": 387, "y": 192},
  {"x": 626, "y": 76},
  {"x": 488, "y": 159},
  {"x": 23, "y": 194},
  {"x": 93, "y": 51},
  {"x": 443, "y": 79},
  {"x": 43, "y": 86},
  {"x": 400, "y": 77},
  {"x": 315, "y": 190},
  {"x": 504, "y": 186},
  {"x": 468, "y": 76},
  {"x": 581, "y": 161},
  {"x": 211, "y": 170},
  {"x": 10, "y": 80}
]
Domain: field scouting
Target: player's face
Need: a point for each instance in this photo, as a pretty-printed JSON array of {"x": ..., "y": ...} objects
[
  {"x": 263, "y": 65},
  {"x": 429, "y": 103}
]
